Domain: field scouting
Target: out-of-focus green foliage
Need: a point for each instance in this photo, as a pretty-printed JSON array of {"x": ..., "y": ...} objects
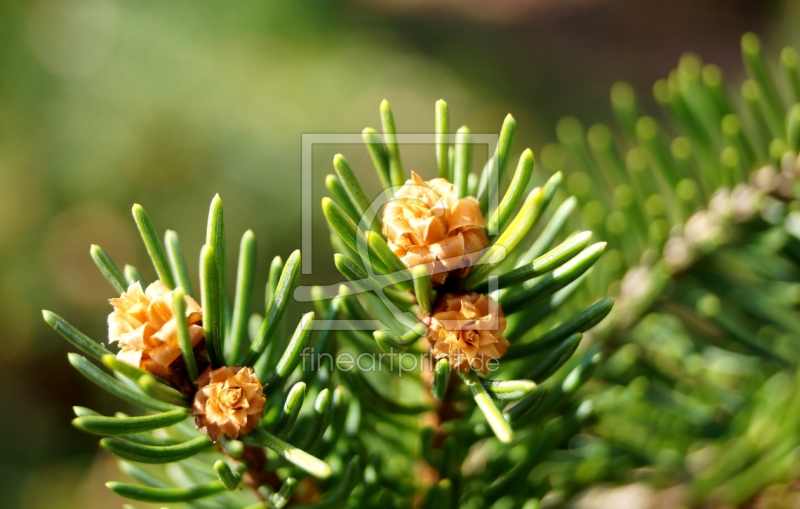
[{"x": 700, "y": 389}]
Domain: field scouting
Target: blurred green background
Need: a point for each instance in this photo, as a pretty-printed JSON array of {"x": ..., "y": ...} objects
[{"x": 104, "y": 103}]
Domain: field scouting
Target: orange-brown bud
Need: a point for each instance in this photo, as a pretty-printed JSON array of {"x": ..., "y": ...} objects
[
  {"x": 229, "y": 401},
  {"x": 468, "y": 330},
  {"x": 144, "y": 326},
  {"x": 426, "y": 223}
]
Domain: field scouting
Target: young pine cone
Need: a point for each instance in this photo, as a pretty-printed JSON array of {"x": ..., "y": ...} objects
[
  {"x": 426, "y": 223},
  {"x": 145, "y": 328},
  {"x": 468, "y": 330},
  {"x": 229, "y": 401}
]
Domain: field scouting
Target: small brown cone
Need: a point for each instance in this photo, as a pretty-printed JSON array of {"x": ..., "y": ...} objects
[
  {"x": 426, "y": 223},
  {"x": 229, "y": 401},
  {"x": 467, "y": 329},
  {"x": 145, "y": 328}
]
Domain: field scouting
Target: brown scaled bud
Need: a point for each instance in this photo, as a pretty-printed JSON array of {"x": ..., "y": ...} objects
[
  {"x": 426, "y": 223},
  {"x": 467, "y": 329},
  {"x": 144, "y": 326},
  {"x": 229, "y": 401}
]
